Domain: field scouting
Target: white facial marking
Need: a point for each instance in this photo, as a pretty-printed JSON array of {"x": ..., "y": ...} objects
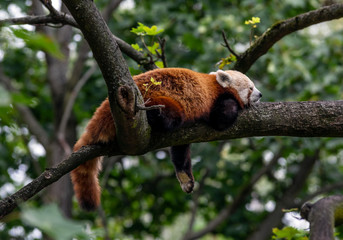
[
  {"x": 245, "y": 88},
  {"x": 255, "y": 96}
]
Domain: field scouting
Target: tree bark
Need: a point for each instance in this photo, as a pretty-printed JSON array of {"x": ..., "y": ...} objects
[
  {"x": 296, "y": 119},
  {"x": 283, "y": 28},
  {"x": 323, "y": 216},
  {"x": 132, "y": 129},
  {"x": 274, "y": 218},
  {"x": 301, "y": 119}
]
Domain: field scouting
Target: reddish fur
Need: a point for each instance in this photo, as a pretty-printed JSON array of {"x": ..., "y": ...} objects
[{"x": 186, "y": 94}]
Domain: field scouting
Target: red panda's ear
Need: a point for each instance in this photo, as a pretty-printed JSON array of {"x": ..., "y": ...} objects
[{"x": 223, "y": 78}]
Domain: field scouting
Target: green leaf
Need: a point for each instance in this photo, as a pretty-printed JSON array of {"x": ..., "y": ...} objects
[
  {"x": 137, "y": 47},
  {"x": 23, "y": 99},
  {"x": 159, "y": 64},
  {"x": 153, "y": 30},
  {"x": 38, "y": 41},
  {"x": 143, "y": 30},
  {"x": 154, "y": 48},
  {"x": 139, "y": 30},
  {"x": 289, "y": 233},
  {"x": 49, "y": 219},
  {"x": 226, "y": 61}
]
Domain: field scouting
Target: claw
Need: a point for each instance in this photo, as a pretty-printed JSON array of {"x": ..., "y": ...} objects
[{"x": 186, "y": 182}]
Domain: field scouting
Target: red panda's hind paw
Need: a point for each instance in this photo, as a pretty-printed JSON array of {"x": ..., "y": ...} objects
[{"x": 186, "y": 181}]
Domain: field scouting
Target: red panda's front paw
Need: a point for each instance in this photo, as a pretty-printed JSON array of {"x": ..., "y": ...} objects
[{"x": 186, "y": 181}]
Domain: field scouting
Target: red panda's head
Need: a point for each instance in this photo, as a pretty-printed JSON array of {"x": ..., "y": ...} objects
[{"x": 245, "y": 88}]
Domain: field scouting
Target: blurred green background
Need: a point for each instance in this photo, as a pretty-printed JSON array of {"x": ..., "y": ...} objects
[{"x": 141, "y": 198}]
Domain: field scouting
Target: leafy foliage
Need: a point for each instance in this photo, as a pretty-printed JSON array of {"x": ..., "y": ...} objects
[
  {"x": 49, "y": 219},
  {"x": 143, "y": 30},
  {"x": 153, "y": 50},
  {"x": 289, "y": 233},
  {"x": 141, "y": 196},
  {"x": 38, "y": 41}
]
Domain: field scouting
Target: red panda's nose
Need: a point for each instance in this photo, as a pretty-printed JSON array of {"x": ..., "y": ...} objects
[{"x": 260, "y": 95}]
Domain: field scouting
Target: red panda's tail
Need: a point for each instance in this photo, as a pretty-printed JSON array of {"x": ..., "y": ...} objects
[
  {"x": 100, "y": 129},
  {"x": 85, "y": 181}
]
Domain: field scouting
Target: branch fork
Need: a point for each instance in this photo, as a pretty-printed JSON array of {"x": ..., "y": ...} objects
[{"x": 127, "y": 101}]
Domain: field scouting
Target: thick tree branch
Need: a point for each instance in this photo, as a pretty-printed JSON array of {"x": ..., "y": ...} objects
[
  {"x": 302, "y": 119},
  {"x": 50, "y": 176},
  {"x": 298, "y": 119},
  {"x": 323, "y": 216},
  {"x": 283, "y": 28},
  {"x": 84, "y": 48},
  {"x": 76, "y": 82},
  {"x": 132, "y": 128}
]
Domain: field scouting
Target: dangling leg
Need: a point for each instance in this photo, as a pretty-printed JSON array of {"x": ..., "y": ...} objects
[
  {"x": 181, "y": 158},
  {"x": 167, "y": 119}
]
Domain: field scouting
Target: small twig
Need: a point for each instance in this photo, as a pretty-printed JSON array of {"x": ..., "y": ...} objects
[
  {"x": 162, "y": 56},
  {"x": 68, "y": 110},
  {"x": 48, "y": 5},
  {"x": 144, "y": 108},
  {"x": 150, "y": 54},
  {"x": 69, "y": 106},
  {"x": 43, "y": 19},
  {"x": 227, "y": 45}
]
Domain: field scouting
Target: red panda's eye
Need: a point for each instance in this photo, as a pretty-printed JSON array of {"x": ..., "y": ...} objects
[{"x": 251, "y": 88}]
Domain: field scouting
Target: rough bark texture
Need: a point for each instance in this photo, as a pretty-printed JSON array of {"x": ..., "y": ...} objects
[
  {"x": 302, "y": 119},
  {"x": 298, "y": 119},
  {"x": 305, "y": 119},
  {"x": 133, "y": 130},
  {"x": 274, "y": 219},
  {"x": 323, "y": 216}
]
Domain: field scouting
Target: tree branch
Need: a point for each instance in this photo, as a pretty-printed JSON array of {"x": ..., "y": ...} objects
[
  {"x": 302, "y": 119},
  {"x": 337, "y": 186},
  {"x": 66, "y": 19},
  {"x": 111, "y": 6},
  {"x": 274, "y": 218},
  {"x": 84, "y": 48},
  {"x": 323, "y": 216},
  {"x": 297, "y": 119},
  {"x": 132, "y": 129},
  {"x": 69, "y": 106},
  {"x": 283, "y": 28},
  {"x": 227, "y": 45},
  {"x": 63, "y": 19},
  {"x": 50, "y": 176}
]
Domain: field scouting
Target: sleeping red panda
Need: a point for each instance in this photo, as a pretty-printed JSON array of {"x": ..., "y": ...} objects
[{"x": 188, "y": 96}]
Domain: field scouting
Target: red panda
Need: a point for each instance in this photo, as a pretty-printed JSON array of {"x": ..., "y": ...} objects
[{"x": 188, "y": 96}]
